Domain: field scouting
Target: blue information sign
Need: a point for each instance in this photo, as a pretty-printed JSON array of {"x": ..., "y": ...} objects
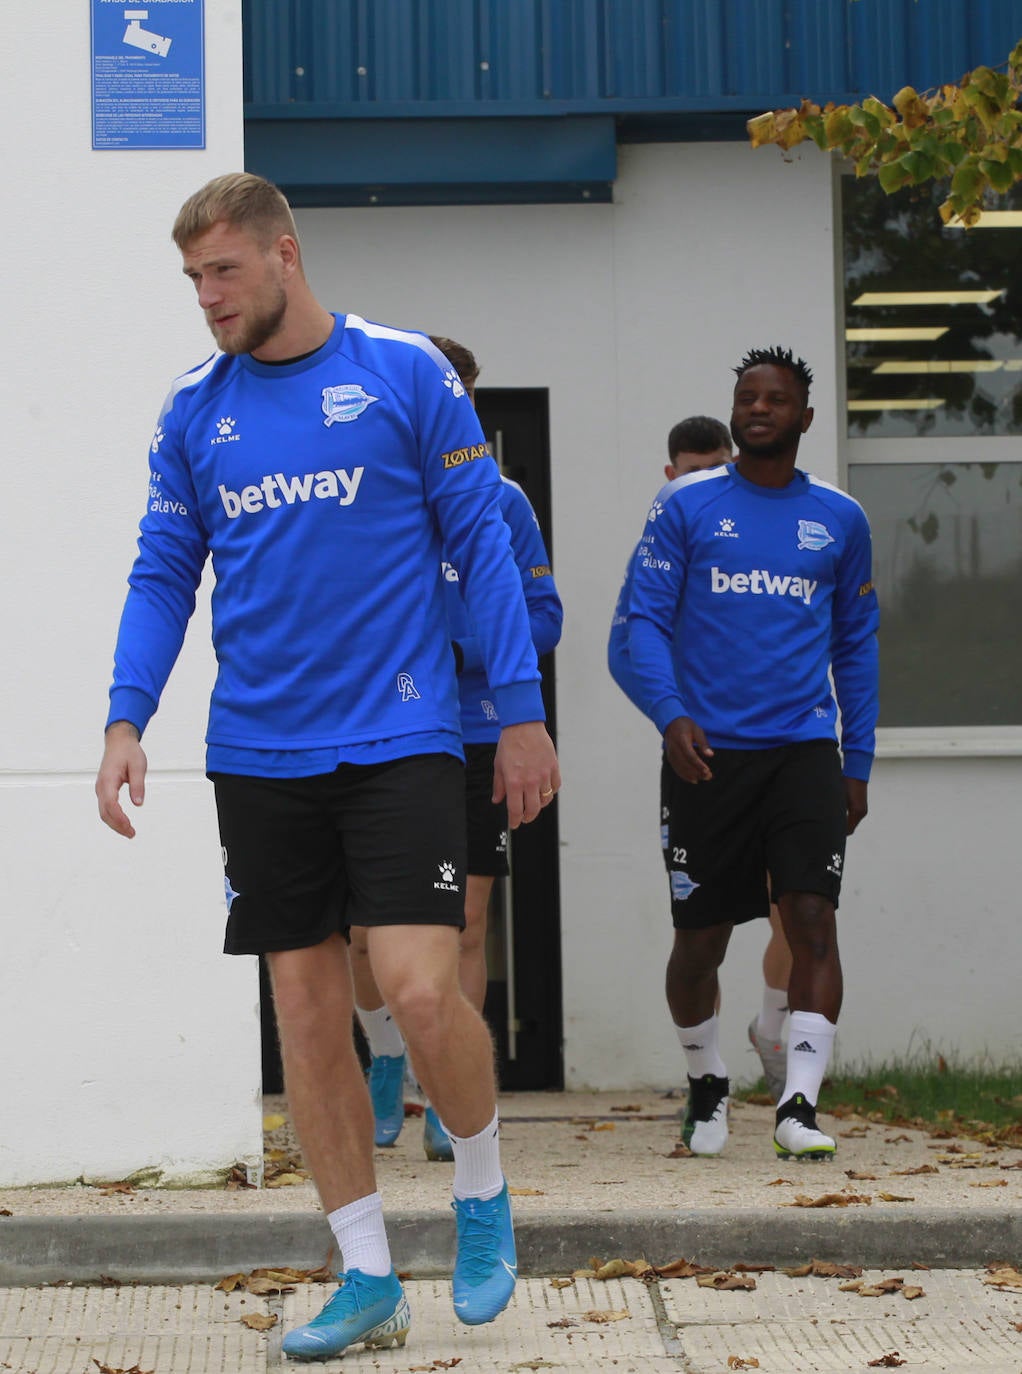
[{"x": 148, "y": 82}]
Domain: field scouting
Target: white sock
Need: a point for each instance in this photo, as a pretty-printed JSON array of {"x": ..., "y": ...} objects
[
  {"x": 810, "y": 1041},
  {"x": 381, "y": 1032},
  {"x": 361, "y": 1236},
  {"x": 702, "y": 1054},
  {"x": 477, "y": 1171},
  {"x": 770, "y": 1021}
]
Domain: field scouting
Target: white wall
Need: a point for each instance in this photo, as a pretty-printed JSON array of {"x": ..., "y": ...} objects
[
  {"x": 633, "y": 314},
  {"x": 129, "y": 1041}
]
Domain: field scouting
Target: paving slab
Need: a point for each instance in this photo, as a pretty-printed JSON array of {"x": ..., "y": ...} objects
[{"x": 622, "y": 1325}]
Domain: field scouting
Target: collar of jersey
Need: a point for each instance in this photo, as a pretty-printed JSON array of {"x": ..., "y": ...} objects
[
  {"x": 798, "y": 486},
  {"x": 292, "y": 369}
]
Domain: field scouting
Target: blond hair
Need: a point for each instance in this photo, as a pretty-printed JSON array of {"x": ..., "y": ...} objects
[{"x": 240, "y": 199}]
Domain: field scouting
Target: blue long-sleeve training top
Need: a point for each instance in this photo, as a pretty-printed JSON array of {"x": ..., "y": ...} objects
[
  {"x": 326, "y": 491},
  {"x": 743, "y": 601},
  {"x": 480, "y": 720}
]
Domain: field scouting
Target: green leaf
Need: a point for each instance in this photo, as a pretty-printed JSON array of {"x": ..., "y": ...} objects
[
  {"x": 893, "y": 176},
  {"x": 999, "y": 174}
]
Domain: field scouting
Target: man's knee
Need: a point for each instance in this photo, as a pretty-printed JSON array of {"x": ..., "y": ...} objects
[
  {"x": 810, "y": 925},
  {"x": 697, "y": 953}
]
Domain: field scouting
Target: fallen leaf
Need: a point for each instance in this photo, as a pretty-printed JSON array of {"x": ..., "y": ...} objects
[
  {"x": 287, "y": 1180},
  {"x": 860, "y": 1178},
  {"x": 267, "y": 1288},
  {"x": 889, "y": 1361},
  {"x": 823, "y": 1269},
  {"x": 760, "y": 1100},
  {"x": 990, "y": 1183},
  {"x": 526, "y": 1192},
  {"x": 777, "y": 1182},
  {"x": 632, "y": 1107},
  {"x": 894, "y": 1197},
  {"x": 601, "y": 1315},
  {"x": 230, "y": 1283},
  {"x": 109, "y": 1189},
  {"x": 564, "y": 1321},
  {"x": 919, "y": 1169},
  {"x": 238, "y": 1178},
  {"x": 1003, "y": 1277},
  {"x": 562, "y": 1283},
  {"x": 741, "y": 1362},
  {"x": 603, "y": 1126},
  {"x": 888, "y": 1090},
  {"x": 856, "y": 1133},
  {"x": 259, "y": 1321},
  {"x": 723, "y": 1281},
  {"x": 1016, "y": 1326},
  {"x": 447, "y": 1364},
  {"x": 6, "y": 1212},
  {"x": 918, "y": 1264},
  {"x": 414, "y": 1109},
  {"x": 1016, "y": 1165},
  {"x": 896, "y": 1139},
  {"x": 912, "y": 1291},
  {"x": 683, "y": 1269},
  {"x": 109, "y": 1369},
  {"x": 274, "y": 1121},
  {"x": 752, "y": 1268},
  {"x": 830, "y": 1200},
  {"x": 681, "y": 1151}
]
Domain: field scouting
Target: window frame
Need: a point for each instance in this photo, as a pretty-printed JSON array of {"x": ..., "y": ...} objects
[{"x": 904, "y": 741}]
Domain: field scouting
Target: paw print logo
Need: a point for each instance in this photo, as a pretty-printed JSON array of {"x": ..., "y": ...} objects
[
  {"x": 502, "y": 841},
  {"x": 835, "y": 864},
  {"x": 727, "y": 525},
  {"x": 655, "y": 510},
  {"x": 453, "y": 381},
  {"x": 225, "y": 425},
  {"x": 665, "y": 813},
  {"x": 446, "y": 871},
  {"x": 154, "y": 447}
]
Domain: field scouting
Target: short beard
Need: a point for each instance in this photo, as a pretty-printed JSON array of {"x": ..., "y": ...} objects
[
  {"x": 260, "y": 330},
  {"x": 778, "y": 447}
]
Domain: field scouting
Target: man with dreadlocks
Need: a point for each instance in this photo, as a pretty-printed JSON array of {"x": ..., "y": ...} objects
[{"x": 753, "y": 587}]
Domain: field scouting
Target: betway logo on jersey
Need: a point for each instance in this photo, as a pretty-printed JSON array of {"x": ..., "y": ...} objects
[
  {"x": 275, "y": 490},
  {"x": 759, "y": 581}
]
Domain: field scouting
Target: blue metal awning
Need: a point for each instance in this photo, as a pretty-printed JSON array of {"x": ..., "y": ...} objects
[{"x": 344, "y": 84}]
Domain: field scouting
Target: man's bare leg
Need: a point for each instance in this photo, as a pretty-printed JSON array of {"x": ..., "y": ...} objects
[
  {"x": 326, "y": 1092},
  {"x": 472, "y": 973},
  {"x": 417, "y": 972}
]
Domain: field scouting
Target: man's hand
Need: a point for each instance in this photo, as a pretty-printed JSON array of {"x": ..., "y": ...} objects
[
  {"x": 855, "y": 800},
  {"x": 684, "y": 743},
  {"x": 525, "y": 771},
  {"x": 123, "y": 762}
]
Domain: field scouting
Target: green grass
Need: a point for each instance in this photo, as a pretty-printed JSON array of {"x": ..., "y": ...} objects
[{"x": 929, "y": 1094}]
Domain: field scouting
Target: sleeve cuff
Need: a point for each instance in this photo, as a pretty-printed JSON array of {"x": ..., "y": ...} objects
[
  {"x": 128, "y": 703},
  {"x": 857, "y": 764},
  {"x": 663, "y": 712},
  {"x": 519, "y": 702}
]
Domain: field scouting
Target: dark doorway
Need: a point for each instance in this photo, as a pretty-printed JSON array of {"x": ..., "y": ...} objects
[{"x": 523, "y": 999}]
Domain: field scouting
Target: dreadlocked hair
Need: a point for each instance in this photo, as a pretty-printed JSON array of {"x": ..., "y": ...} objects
[{"x": 778, "y": 357}]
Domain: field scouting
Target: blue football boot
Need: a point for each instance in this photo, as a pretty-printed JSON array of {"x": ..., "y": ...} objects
[
  {"x": 365, "y": 1310},
  {"x": 435, "y": 1140},
  {"x": 486, "y": 1269},
  {"x": 387, "y": 1090}
]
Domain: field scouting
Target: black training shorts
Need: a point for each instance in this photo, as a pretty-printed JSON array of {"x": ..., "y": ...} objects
[
  {"x": 766, "y": 815},
  {"x": 485, "y": 820},
  {"x": 367, "y": 845}
]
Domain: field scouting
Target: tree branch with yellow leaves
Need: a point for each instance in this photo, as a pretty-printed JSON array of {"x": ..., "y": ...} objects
[{"x": 969, "y": 134}]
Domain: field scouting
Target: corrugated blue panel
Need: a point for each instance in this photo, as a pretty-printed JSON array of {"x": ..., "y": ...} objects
[{"x": 398, "y": 58}]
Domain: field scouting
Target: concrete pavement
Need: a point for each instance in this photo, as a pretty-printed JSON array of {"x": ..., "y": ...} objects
[{"x": 594, "y": 1176}]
